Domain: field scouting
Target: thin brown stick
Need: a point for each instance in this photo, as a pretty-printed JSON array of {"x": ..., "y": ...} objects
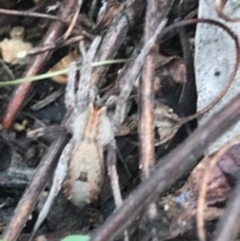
[
  {"x": 31, "y": 14},
  {"x": 55, "y": 46},
  {"x": 22, "y": 91},
  {"x": 146, "y": 91},
  {"x": 156, "y": 12},
  {"x": 74, "y": 20},
  {"x": 30, "y": 197},
  {"x": 146, "y": 98},
  {"x": 203, "y": 189},
  {"x": 178, "y": 163}
]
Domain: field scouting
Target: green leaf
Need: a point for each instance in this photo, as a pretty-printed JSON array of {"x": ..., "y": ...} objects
[{"x": 76, "y": 238}]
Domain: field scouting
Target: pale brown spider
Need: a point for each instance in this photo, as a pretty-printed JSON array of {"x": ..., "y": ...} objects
[{"x": 80, "y": 169}]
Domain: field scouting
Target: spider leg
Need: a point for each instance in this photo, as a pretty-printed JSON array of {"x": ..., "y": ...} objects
[
  {"x": 84, "y": 84},
  {"x": 58, "y": 179},
  {"x": 70, "y": 100},
  {"x": 107, "y": 140},
  {"x": 113, "y": 176},
  {"x": 131, "y": 77},
  {"x": 121, "y": 105}
]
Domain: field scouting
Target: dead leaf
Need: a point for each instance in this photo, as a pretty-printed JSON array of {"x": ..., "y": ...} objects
[
  {"x": 10, "y": 48},
  {"x": 63, "y": 64},
  {"x": 226, "y": 170}
]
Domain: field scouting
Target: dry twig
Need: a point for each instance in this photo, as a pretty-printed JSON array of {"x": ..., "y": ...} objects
[
  {"x": 31, "y": 14},
  {"x": 156, "y": 12}
]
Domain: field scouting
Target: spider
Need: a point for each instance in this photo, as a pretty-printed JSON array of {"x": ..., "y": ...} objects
[{"x": 80, "y": 170}]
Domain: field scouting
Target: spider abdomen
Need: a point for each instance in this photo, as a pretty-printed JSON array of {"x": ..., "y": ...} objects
[{"x": 85, "y": 175}]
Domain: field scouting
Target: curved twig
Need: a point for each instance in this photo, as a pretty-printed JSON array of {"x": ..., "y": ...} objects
[
  {"x": 235, "y": 68},
  {"x": 219, "y": 6}
]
